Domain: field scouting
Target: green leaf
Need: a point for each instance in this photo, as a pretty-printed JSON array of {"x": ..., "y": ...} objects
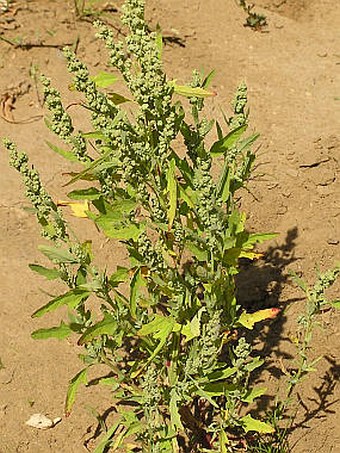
[
  {"x": 246, "y": 143},
  {"x": 258, "y": 239},
  {"x": 135, "y": 285},
  {"x": 57, "y": 254},
  {"x": 160, "y": 328},
  {"x": 90, "y": 167},
  {"x": 223, "y": 185},
  {"x": 218, "y": 388},
  {"x": 157, "y": 326},
  {"x": 221, "y": 146},
  {"x": 253, "y": 393},
  {"x": 254, "y": 364},
  {"x": 224, "y": 442},
  {"x": 186, "y": 195},
  {"x": 199, "y": 253},
  {"x": 221, "y": 374},
  {"x": 106, "y": 437},
  {"x": 172, "y": 191},
  {"x": 107, "y": 326},
  {"x": 61, "y": 332},
  {"x": 251, "y": 424},
  {"x": 335, "y": 304},
  {"x": 124, "y": 206},
  {"x": 71, "y": 299},
  {"x": 207, "y": 81},
  {"x": 117, "y": 99},
  {"x": 94, "y": 135},
  {"x": 119, "y": 230},
  {"x": 120, "y": 276},
  {"x": 192, "y": 329},
  {"x": 159, "y": 41},
  {"x": 184, "y": 167},
  {"x": 80, "y": 378},
  {"x": 189, "y": 92},
  {"x": 50, "y": 274},
  {"x": 248, "y": 320},
  {"x": 104, "y": 79},
  {"x": 85, "y": 194},
  {"x": 62, "y": 152},
  {"x": 174, "y": 412}
]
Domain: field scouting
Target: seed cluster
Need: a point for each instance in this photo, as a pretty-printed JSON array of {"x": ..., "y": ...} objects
[{"x": 49, "y": 216}]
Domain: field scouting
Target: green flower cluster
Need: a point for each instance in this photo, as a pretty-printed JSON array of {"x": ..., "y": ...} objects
[
  {"x": 208, "y": 207},
  {"x": 151, "y": 256},
  {"x": 61, "y": 123},
  {"x": 48, "y": 214},
  {"x": 204, "y": 351},
  {"x": 145, "y": 79},
  {"x": 239, "y": 105}
]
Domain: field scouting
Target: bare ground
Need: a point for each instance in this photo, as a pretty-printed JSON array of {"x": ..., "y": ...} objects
[{"x": 292, "y": 71}]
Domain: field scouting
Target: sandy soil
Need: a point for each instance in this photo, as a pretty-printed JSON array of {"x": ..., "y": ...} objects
[{"x": 292, "y": 71}]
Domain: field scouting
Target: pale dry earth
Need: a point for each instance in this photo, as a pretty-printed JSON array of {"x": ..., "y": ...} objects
[{"x": 292, "y": 70}]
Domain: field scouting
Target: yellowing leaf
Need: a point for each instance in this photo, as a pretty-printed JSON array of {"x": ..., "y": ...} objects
[
  {"x": 250, "y": 255},
  {"x": 189, "y": 92},
  {"x": 249, "y": 319},
  {"x": 78, "y": 208},
  {"x": 251, "y": 424}
]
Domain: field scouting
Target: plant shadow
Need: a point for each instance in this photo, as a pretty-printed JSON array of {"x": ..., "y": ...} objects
[{"x": 260, "y": 286}]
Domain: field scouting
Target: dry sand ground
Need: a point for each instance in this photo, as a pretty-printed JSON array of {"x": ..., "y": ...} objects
[{"x": 292, "y": 71}]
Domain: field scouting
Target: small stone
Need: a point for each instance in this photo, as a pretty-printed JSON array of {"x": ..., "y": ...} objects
[{"x": 40, "y": 421}]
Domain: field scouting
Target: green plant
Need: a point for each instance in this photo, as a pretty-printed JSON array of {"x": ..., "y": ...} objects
[
  {"x": 168, "y": 326},
  {"x": 254, "y": 20},
  {"x": 87, "y": 9},
  {"x": 282, "y": 415}
]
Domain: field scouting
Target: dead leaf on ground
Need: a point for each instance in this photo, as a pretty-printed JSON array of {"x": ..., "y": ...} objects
[{"x": 9, "y": 97}]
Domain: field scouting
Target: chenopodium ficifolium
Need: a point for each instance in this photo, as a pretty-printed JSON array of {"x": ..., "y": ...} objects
[{"x": 170, "y": 328}]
